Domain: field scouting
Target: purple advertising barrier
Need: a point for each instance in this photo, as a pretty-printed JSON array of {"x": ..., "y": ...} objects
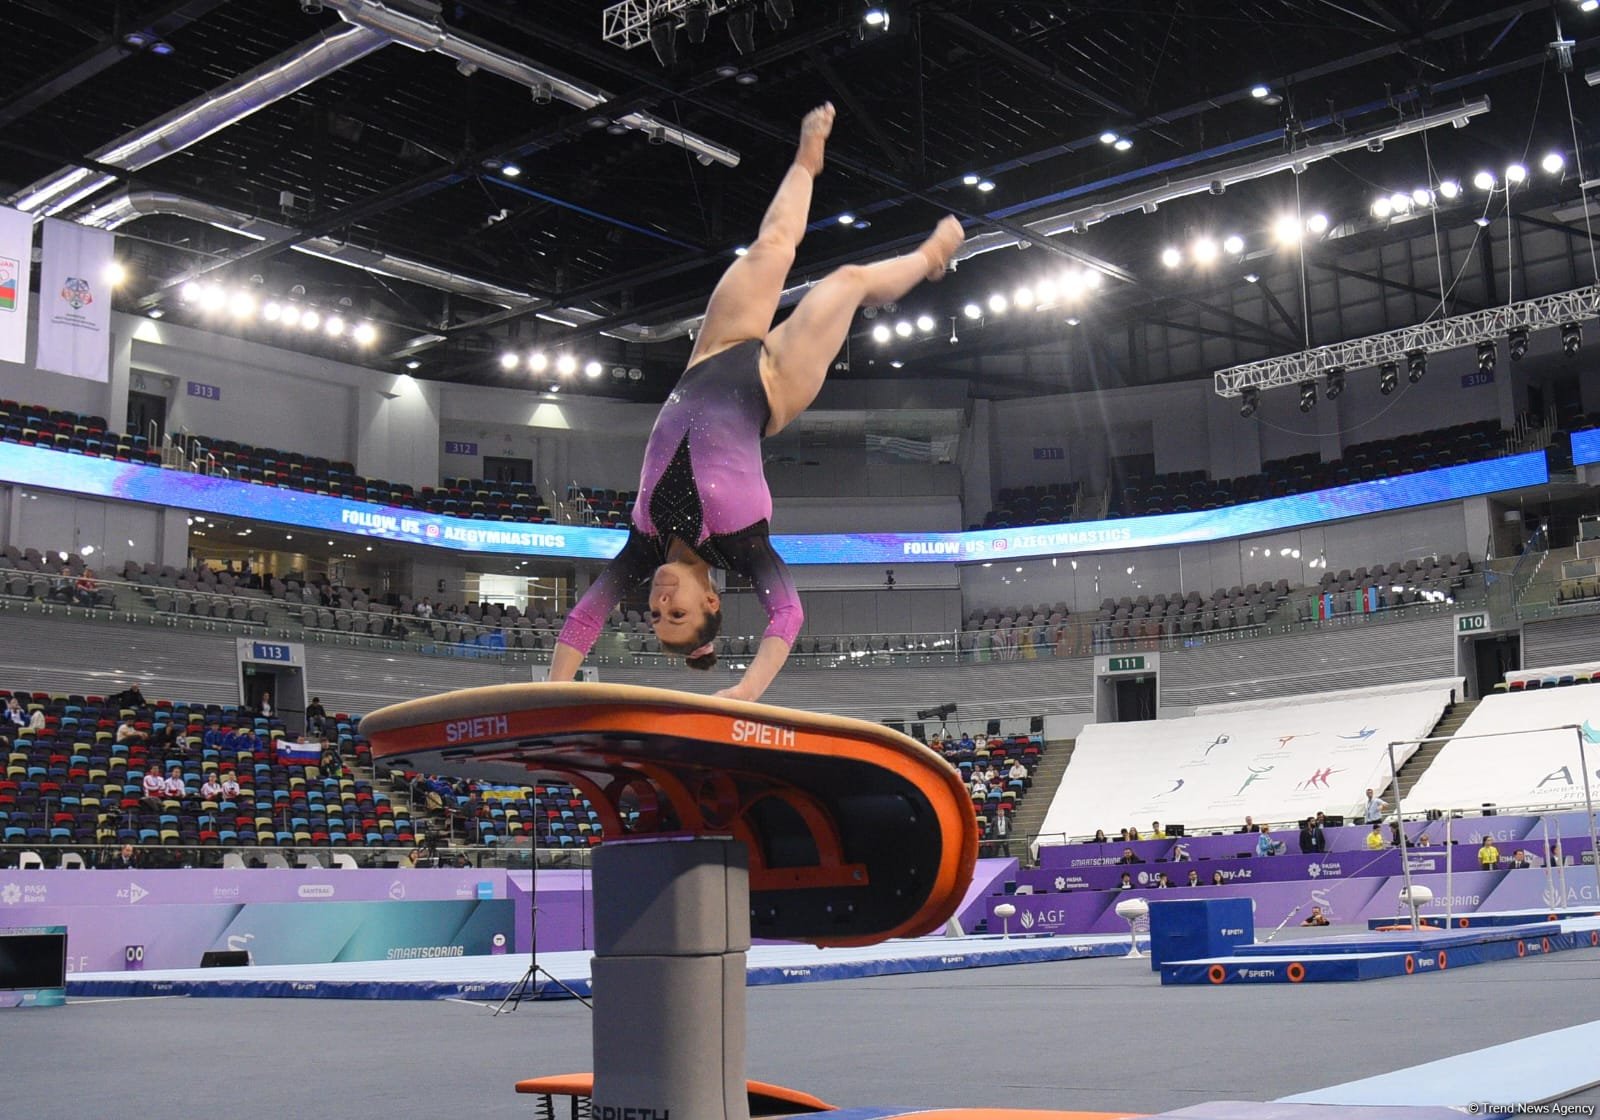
[
  {"x": 987, "y": 878},
  {"x": 24, "y": 890},
  {"x": 565, "y": 902}
]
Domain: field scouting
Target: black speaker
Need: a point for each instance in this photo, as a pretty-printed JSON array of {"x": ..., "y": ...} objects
[
  {"x": 919, "y": 732},
  {"x": 1036, "y": 725},
  {"x": 1173, "y": 830},
  {"x": 992, "y": 729},
  {"x": 225, "y": 958}
]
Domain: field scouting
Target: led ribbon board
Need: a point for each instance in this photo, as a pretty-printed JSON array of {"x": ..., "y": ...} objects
[
  {"x": 1586, "y": 447},
  {"x": 136, "y": 482}
]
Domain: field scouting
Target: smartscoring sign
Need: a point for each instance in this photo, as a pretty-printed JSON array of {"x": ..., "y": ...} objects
[{"x": 136, "y": 482}]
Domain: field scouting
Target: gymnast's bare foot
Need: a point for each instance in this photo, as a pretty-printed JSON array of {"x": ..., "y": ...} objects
[
  {"x": 938, "y": 249},
  {"x": 814, "y": 132}
]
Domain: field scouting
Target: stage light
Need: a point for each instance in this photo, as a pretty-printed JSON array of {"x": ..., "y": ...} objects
[
  {"x": 1449, "y": 189},
  {"x": 1516, "y": 173},
  {"x": 1073, "y": 320},
  {"x": 925, "y": 323},
  {"x": 508, "y": 361},
  {"x": 291, "y": 315},
  {"x": 1517, "y": 343},
  {"x": 334, "y": 326},
  {"x": 1335, "y": 383},
  {"x": 114, "y": 273},
  {"x": 1023, "y": 298},
  {"x": 511, "y": 171},
  {"x": 242, "y": 305},
  {"x": 986, "y": 186},
  {"x": 566, "y": 365},
  {"x": 741, "y": 250},
  {"x": 156, "y": 313},
  {"x": 779, "y": 13},
  {"x": 365, "y": 334},
  {"x": 271, "y": 312},
  {"x": 998, "y": 304},
  {"x": 969, "y": 179},
  {"x": 1251, "y": 278},
  {"x": 1486, "y": 356},
  {"x": 213, "y": 298},
  {"x": 742, "y": 28},
  {"x": 538, "y": 362},
  {"x": 1204, "y": 251},
  {"x": 876, "y": 18},
  {"x": 1047, "y": 292},
  {"x": 1588, "y": 5},
  {"x": 413, "y": 364},
  {"x": 903, "y": 329},
  {"x": 1571, "y": 338},
  {"x": 1259, "y": 92},
  {"x": 1553, "y": 162},
  {"x": 1317, "y": 224},
  {"x": 696, "y": 18},
  {"x": 881, "y": 333},
  {"x": 1171, "y": 257},
  {"x": 1249, "y": 401},
  {"x": 1381, "y": 208},
  {"x": 1123, "y": 144},
  {"x": 191, "y": 292},
  {"x": 1388, "y": 378},
  {"x": 1091, "y": 279},
  {"x": 972, "y": 311},
  {"x": 1308, "y": 395},
  {"x": 1416, "y": 365},
  {"x": 1233, "y": 244},
  {"x": 1400, "y": 202},
  {"x": 593, "y": 369},
  {"x": 1422, "y": 196},
  {"x": 664, "y": 41},
  {"x": 1286, "y": 230},
  {"x": 1109, "y": 137},
  {"x": 1484, "y": 180},
  {"x": 847, "y": 219},
  {"x": 310, "y": 320}
]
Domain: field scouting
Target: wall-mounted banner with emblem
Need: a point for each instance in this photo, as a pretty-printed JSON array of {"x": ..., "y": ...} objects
[
  {"x": 75, "y": 301},
  {"x": 16, "y": 257}
]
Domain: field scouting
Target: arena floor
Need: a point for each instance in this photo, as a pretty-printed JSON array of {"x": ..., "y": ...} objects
[{"x": 1096, "y": 1034}]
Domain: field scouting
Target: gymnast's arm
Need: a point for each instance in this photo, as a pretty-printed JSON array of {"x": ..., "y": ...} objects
[
  {"x": 631, "y": 567},
  {"x": 770, "y": 576}
]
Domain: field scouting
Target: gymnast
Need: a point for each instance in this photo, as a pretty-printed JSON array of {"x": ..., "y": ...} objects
[{"x": 703, "y": 500}]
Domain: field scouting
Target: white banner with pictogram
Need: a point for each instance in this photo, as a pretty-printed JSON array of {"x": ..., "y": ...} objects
[
  {"x": 16, "y": 261},
  {"x": 75, "y": 301}
]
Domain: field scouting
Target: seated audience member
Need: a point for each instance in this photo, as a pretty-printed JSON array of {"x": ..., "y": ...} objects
[
  {"x": 1267, "y": 846},
  {"x": 980, "y": 787},
  {"x": 1488, "y": 854},
  {"x": 1127, "y": 882},
  {"x": 990, "y": 774},
  {"x": 315, "y": 715},
  {"x": 1162, "y": 882},
  {"x": 1133, "y": 834},
  {"x": 1216, "y": 879},
  {"x": 1019, "y": 773},
  {"x": 36, "y": 720},
  {"x": 1194, "y": 877},
  {"x": 61, "y": 589},
  {"x": 245, "y": 740},
  {"x": 1249, "y": 825},
  {"x": 1156, "y": 832},
  {"x": 230, "y": 785},
  {"x": 1315, "y": 918},
  {"x": 83, "y": 590},
  {"x": 15, "y": 713},
  {"x": 173, "y": 788},
  {"x": 1128, "y": 856},
  {"x": 1375, "y": 841},
  {"x": 211, "y": 789},
  {"x": 153, "y": 784},
  {"x": 1100, "y": 836},
  {"x": 1556, "y": 858},
  {"x": 128, "y": 733},
  {"x": 126, "y": 859},
  {"x": 1519, "y": 861}
]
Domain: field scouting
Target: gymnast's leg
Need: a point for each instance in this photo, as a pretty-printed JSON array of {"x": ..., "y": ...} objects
[
  {"x": 747, "y": 296},
  {"x": 801, "y": 349}
]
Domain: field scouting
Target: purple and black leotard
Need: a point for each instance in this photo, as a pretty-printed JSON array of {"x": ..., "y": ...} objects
[{"x": 702, "y": 482}]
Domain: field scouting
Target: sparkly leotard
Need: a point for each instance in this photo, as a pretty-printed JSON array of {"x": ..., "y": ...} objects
[{"x": 702, "y": 482}]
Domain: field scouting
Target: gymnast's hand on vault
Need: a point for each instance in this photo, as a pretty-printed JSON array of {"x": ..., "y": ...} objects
[{"x": 738, "y": 692}]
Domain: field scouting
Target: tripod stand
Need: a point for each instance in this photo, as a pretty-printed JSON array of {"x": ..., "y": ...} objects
[{"x": 528, "y": 987}]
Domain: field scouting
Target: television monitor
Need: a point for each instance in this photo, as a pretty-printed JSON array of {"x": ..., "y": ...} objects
[{"x": 33, "y": 960}]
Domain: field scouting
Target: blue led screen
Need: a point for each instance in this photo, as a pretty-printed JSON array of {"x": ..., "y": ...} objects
[
  {"x": 106, "y": 478},
  {"x": 1586, "y": 447}
]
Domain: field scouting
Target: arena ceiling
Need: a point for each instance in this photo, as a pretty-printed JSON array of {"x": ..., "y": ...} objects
[{"x": 610, "y": 235}]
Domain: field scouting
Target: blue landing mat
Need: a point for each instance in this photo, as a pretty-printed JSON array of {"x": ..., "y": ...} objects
[
  {"x": 1479, "y": 921},
  {"x": 1406, "y": 942}
]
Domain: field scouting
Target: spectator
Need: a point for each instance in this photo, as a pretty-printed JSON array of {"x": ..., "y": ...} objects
[
  {"x": 1375, "y": 839},
  {"x": 173, "y": 788},
  {"x": 128, "y": 733},
  {"x": 129, "y": 697},
  {"x": 1216, "y": 879},
  {"x": 1194, "y": 877},
  {"x": 1019, "y": 773},
  {"x": 1100, "y": 836},
  {"x": 1128, "y": 856},
  {"x": 1126, "y": 883},
  {"x": 126, "y": 859},
  {"x": 1373, "y": 808},
  {"x": 153, "y": 786},
  {"x": 1249, "y": 825},
  {"x": 85, "y": 587},
  {"x": 966, "y": 743},
  {"x": 245, "y": 740},
  {"x": 15, "y": 714},
  {"x": 1162, "y": 882},
  {"x": 1519, "y": 861},
  {"x": 1133, "y": 834},
  {"x": 264, "y": 706},
  {"x": 1312, "y": 838},
  {"x": 1267, "y": 846},
  {"x": 980, "y": 788},
  {"x": 315, "y": 715},
  {"x": 1316, "y": 917},
  {"x": 991, "y": 775},
  {"x": 423, "y": 609},
  {"x": 1156, "y": 832},
  {"x": 36, "y": 720},
  {"x": 211, "y": 789},
  {"x": 61, "y": 589},
  {"x": 1394, "y": 833},
  {"x": 1556, "y": 858},
  {"x": 230, "y": 786}
]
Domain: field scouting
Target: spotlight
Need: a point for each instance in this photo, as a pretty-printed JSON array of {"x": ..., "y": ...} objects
[
  {"x": 242, "y": 305},
  {"x": 741, "y": 250},
  {"x": 309, "y": 320},
  {"x": 1381, "y": 208},
  {"x": 1388, "y": 377},
  {"x": 998, "y": 304},
  {"x": 1552, "y": 163},
  {"x": 1308, "y": 395},
  {"x": 1416, "y": 365},
  {"x": 157, "y": 313},
  {"x": 213, "y": 298},
  {"x": 365, "y": 334},
  {"x": 1046, "y": 291},
  {"x": 1123, "y": 144},
  {"x": 508, "y": 361},
  {"x": 1249, "y": 401},
  {"x": 696, "y": 18},
  {"x": 986, "y": 186},
  {"x": 1259, "y": 92},
  {"x": 271, "y": 312},
  {"x": 881, "y": 333},
  {"x": 1449, "y": 189},
  {"x": 1171, "y": 257},
  {"x": 925, "y": 323},
  {"x": 334, "y": 326},
  {"x": 1484, "y": 180},
  {"x": 1516, "y": 173},
  {"x": 969, "y": 179},
  {"x": 1571, "y": 338},
  {"x": 1517, "y": 343},
  {"x": 1486, "y": 356},
  {"x": 538, "y": 362},
  {"x": 291, "y": 315},
  {"x": 1204, "y": 251},
  {"x": 1233, "y": 244},
  {"x": 664, "y": 40},
  {"x": 903, "y": 329},
  {"x": 413, "y": 364},
  {"x": 114, "y": 273},
  {"x": 510, "y": 170},
  {"x": 1023, "y": 298},
  {"x": 779, "y": 13},
  {"x": 1286, "y": 230},
  {"x": 742, "y": 28},
  {"x": 972, "y": 311},
  {"x": 1335, "y": 384},
  {"x": 566, "y": 365},
  {"x": 1422, "y": 196},
  {"x": 593, "y": 369},
  {"x": 1109, "y": 137},
  {"x": 876, "y": 18},
  {"x": 191, "y": 292},
  {"x": 1400, "y": 202}
]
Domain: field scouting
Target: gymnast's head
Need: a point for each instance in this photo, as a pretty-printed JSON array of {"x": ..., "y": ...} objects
[{"x": 686, "y": 612}]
